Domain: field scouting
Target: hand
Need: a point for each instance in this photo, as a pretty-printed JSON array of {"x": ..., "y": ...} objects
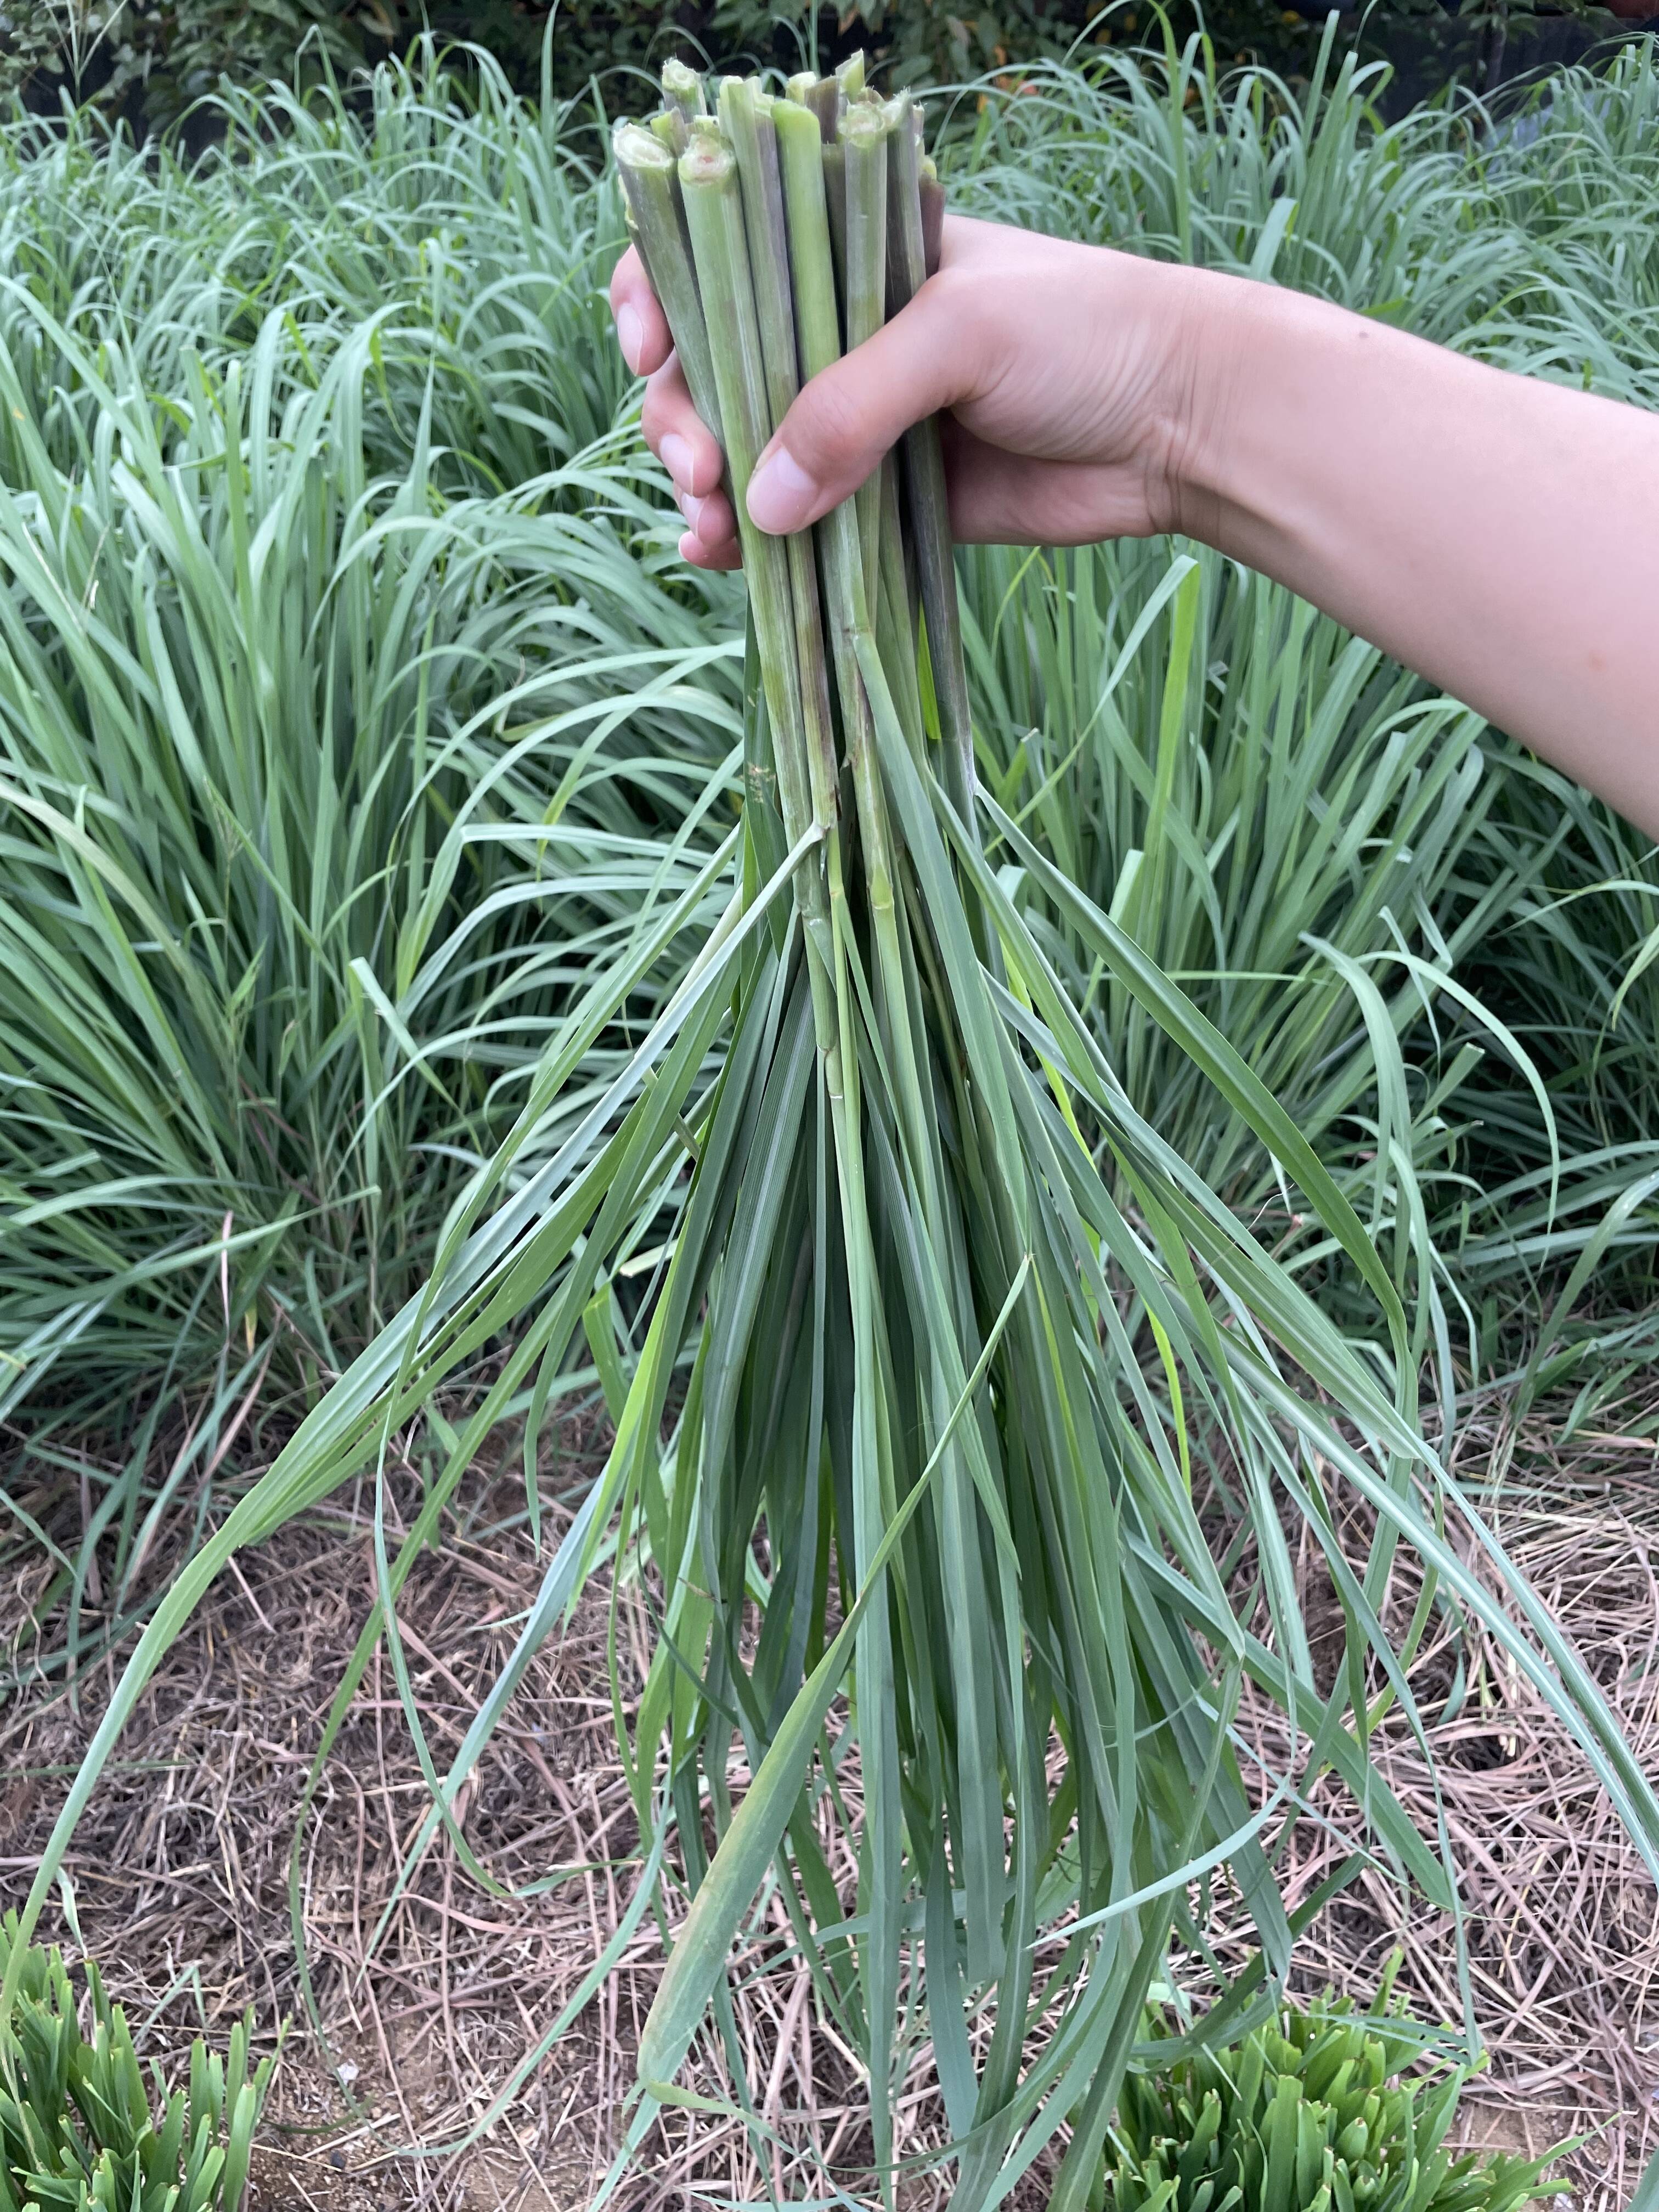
[
  {"x": 1414, "y": 495},
  {"x": 1059, "y": 368}
]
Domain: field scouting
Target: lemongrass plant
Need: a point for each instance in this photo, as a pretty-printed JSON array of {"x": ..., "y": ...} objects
[
  {"x": 455, "y": 221},
  {"x": 941, "y": 1327},
  {"x": 323, "y": 792},
  {"x": 1289, "y": 825}
]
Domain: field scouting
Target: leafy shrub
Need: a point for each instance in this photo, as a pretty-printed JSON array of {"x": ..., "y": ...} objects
[
  {"x": 153, "y": 58},
  {"x": 82, "y": 2130},
  {"x": 1315, "y": 2113}
]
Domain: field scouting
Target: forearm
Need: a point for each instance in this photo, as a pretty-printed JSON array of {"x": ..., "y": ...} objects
[{"x": 1496, "y": 534}]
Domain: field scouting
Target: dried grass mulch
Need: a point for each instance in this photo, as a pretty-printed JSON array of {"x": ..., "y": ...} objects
[
  {"x": 1560, "y": 1920},
  {"x": 182, "y": 1869}
]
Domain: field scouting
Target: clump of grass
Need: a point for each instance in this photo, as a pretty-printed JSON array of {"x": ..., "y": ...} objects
[
  {"x": 82, "y": 2129},
  {"x": 1563, "y": 1266},
  {"x": 1320, "y": 2110},
  {"x": 466, "y": 225},
  {"x": 325, "y": 787},
  {"x": 320, "y": 795}
]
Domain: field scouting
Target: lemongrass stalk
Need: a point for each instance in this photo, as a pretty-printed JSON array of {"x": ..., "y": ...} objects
[
  {"x": 932, "y": 214},
  {"x": 905, "y": 243},
  {"x": 682, "y": 92},
  {"x": 925, "y": 486},
  {"x": 669, "y": 125},
  {"x": 818, "y": 335},
  {"x": 746, "y": 124},
  {"x": 895, "y": 612},
  {"x": 811, "y": 269},
  {"x": 745, "y": 115},
  {"x": 852, "y": 565},
  {"x": 849, "y": 74},
  {"x": 834, "y": 195},
  {"x": 824, "y": 97},
  {"x": 650, "y": 177},
  {"x": 714, "y": 208},
  {"x": 866, "y": 134}
]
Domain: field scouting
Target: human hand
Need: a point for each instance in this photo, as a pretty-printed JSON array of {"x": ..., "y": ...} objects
[
  {"x": 1060, "y": 370},
  {"x": 1413, "y": 494}
]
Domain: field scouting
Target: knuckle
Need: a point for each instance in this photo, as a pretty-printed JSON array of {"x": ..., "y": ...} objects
[
  {"x": 963, "y": 314},
  {"x": 831, "y": 419}
]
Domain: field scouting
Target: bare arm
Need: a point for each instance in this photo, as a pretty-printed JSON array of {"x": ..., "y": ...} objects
[{"x": 1496, "y": 534}]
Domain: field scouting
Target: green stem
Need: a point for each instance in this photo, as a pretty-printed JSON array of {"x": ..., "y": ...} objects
[
  {"x": 866, "y": 132},
  {"x": 925, "y": 486},
  {"x": 669, "y": 126},
  {"x": 895, "y": 613},
  {"x": 824, "y": 99},
  {"x": 835, "y": 193},
  {"x": 651, "y": 186},
  {"x": 682, "y": 92},
  {"x": 714, "y": 208},
  {"x": 746, "y": 118},
  {"x": 932, "y": 215}
]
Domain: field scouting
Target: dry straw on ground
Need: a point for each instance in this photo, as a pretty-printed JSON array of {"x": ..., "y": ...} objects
[{"x": 180, "y": 1873}]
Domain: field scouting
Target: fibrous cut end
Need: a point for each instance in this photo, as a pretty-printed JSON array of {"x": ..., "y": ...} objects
[
  {"x": 708, "y": 160},
  {"x": 637, "y": 146}
]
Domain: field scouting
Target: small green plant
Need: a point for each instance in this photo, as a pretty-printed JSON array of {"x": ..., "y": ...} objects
[
  {"x": 1317, "y": 2112},
  {"x": 82, "y": 2130}
]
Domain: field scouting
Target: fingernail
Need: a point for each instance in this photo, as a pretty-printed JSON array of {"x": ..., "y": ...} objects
[
  {"x": 677, "y": 458},
  {"x": 691, "y": 506},
  {"x": 781, "y": 492},
  {"x": 690, "y": 545},
  {"x": 630, "y": 337}
]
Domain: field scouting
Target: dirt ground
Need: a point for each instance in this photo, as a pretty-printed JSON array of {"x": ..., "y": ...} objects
[{"x": 430, "y": 1994}]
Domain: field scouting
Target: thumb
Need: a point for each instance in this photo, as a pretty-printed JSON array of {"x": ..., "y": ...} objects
[{"x": 855, "y": 411}]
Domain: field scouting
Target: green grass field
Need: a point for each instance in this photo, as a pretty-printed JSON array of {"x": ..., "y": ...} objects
[{"x": 374, "y": 967}]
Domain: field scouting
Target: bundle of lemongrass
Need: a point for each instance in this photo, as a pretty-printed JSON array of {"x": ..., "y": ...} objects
[
  {"x": 951, "y": 1366},
  {"x": 962, "y": 1304}
]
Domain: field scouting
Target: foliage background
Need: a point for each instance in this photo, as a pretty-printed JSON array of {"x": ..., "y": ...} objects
[{"x": 150, "y": 60}]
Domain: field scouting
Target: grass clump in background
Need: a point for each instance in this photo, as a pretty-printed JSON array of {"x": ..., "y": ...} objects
[
  {"x": 81, "y": 2127},
  {"x": 1318, "y": 2111},
  {"x": 350, "y": 716}
]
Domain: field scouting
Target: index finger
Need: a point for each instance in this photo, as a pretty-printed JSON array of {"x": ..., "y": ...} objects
[{"x": 641, "y": 327}]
